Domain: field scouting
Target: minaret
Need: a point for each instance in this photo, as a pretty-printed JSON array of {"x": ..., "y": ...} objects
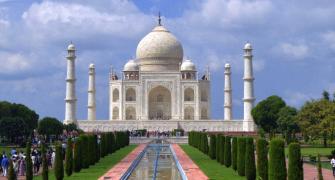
[
  {"x": 91, "y": 105},
  {"x": 70, "y": 99},
  {"x": 248, "y": 78},
  {"x": 227, "y": 93}
]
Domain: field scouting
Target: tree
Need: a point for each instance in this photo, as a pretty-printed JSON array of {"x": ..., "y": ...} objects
[
  {"x": 205, "y": 139},
  {"x": 262, "y": 158},
  {"x": 265, "y": 113},
  {"x": 295, "y": 169},
  {"x": 44, "y": 162},
  {"x": 85, "y": 152},
  {"x": 29, "y": 164},
  {"x": 325, "y": 95},
  {"x": 12, "y": 128},
  {"x": 277, "y": 166},
  {"x": 69, "y": 158},
  {"x": 250, "y": 167},
  {"x": 11, "y": 173},
  {"x": 320, "y": 176},
  {"x": 234, "y": 153},
  {"x": 227, "y": 152},
  {"x": 59, "y": 169},
  {"x": 287, "y": 123},
  {"x": 77, "y": 156},
  {"x": 218, "y": 147},
  {"x": 241, "y": 156},
  {"x": 212, "y": 147},
  {"x": 50, "y": 126},
  {"x": 71, "y": 127}
]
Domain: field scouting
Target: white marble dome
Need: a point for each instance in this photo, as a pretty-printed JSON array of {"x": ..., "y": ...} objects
[
  {"x": 131, "y": 65},
  {"x": 71, "y": 47},
  {"x": 247, "y": 46},
  {"x": 187, "y": 65},
  {"x": 159, "y": 50}
]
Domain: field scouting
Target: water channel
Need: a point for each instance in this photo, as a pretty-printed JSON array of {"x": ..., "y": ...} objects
[{"x": 156, "y": 162}]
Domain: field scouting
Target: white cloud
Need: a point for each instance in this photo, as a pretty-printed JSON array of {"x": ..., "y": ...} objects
[
  {"x": 296, "y": 98},
  {"x": 329, "y": 37},
  {"x": 13, "y": 63},
  {"x": 296, "y": 51}
]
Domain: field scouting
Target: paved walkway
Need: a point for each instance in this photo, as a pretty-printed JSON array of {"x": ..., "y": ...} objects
[
  {"x": 120, "y": 168},
  {"x": 311, "y": 173},
  {"x": 192, "y": 171}
]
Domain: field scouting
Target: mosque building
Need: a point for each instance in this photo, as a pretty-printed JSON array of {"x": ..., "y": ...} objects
[{"x": 160, "y": 90}]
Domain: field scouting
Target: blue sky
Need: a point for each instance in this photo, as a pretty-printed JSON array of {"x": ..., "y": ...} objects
[{"x": 294, "y": 46}]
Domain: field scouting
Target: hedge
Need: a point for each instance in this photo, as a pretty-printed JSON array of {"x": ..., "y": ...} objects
[
  {"x": 44, "y": 162},
  {"x": 29, "y": 164},
  {"x": 250, "y": 167},
  {"x": 212, "y": 147},
  {"x": 222, "y": 147},
  {"x": 277, "y": 166},
  {"x": 295, "y": 169},
  {"x": 241, "y": 156},
  {"x": 218, "y": 147},
  {"x": 227, "y": 152},
  {"x": 234, "y": 153},
  {"x": 59, "y": 169},
  {"x": 77, "y": 155},
  {"x": 69, "y": 158},
  {"x": 262, "y": 158}
]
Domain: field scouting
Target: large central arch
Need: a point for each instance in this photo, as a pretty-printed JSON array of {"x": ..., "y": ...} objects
[{"x": 159, "y": 103}]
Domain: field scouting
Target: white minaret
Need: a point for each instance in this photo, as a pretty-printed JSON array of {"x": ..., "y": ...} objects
[
  {"x": 227, "y": 94},
  {"x": 70, "y": 99},
  {"x": 248, "y": 78},
  {"x": 91, "y": 105}
]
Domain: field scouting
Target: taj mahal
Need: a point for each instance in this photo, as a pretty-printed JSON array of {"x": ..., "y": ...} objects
[{"x": 160, "y": 90}]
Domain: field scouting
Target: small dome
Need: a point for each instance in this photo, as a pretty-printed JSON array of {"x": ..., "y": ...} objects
[
  {"x": 227, "y": 65},
  {"x": 92, "y": 66},
  {"x": 187, "y": 65},
  {"x": 247, "y": 46},
  {"x": 131, "y": 65},
  {"x": 71, "y": 47}
]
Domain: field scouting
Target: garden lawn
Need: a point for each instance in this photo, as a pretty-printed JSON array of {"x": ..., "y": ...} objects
[
  {"x": 211, "y": 168},
  {"x": 99, "y": 169},
  {"x": 314, "y": 151}
]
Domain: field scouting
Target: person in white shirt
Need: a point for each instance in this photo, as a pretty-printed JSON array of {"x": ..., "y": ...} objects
[{"x": 332, "y": 162}]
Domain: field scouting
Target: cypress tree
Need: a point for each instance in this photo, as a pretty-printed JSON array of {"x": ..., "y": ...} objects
[
  {"x": 29, "y": 164},
  {"x": 69, "y": 158},
  {"x": 205, "y": 137},
  {"x": 218, "y": 147},
  {"x": 241, "y": 156},
  {"x": 45, "y": 167},
  {"x": 77, "y": 156},
  {"x": 212, "y": 147},
  {"x": 85, "y": 152},
  {"x": 234, "y": 153},
  {"x": 227, "y": 152},
  {"x": 59, "y": 169},
  {"x": 113, "y": 143},
  {"x": 97, "y": 150},
  {"x": 295, "y": 170},
  {"x": 223, "y": 141},
  {"x": 250, "y": 167},
  {"x": 320, "y": 176},
  {"x": 11, "y": 173},
  {"x": 277, "y": 166},
  {"x": 262, "y": 158}
]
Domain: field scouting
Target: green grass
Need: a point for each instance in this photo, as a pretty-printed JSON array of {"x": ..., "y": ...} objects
[
  {"x": 211, "y": 168},
  {"x": 314, "y": 151},
  {"x": 99, "y": 169}
]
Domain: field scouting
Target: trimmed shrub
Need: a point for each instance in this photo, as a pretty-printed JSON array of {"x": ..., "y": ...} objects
[
  {"x": 320, "y": 176},
  {"x": 205, "y": 143},
  {"x": 11, "y": 173},
  {"x": 295, "y": 170},
  {"x": 59, "y": 169},
  {"x": 241, "y": 156},
  {"x": 234, "y": 153},
  {"x": 29, "y": 163},
  {"x": 217, "y": 147},
  {"x": 97, "y": 149},
  {"x": 212, "y": 147},
  {"x": 277, "y": 166},
  {"x": 223, "y": 141},
  {"x": 77, "y": 156},
  {"x": 45, "y": 167},
  {"x": 69, "y": 158},
  {"x": 262, "y": 158},
  {"x": 250, "y": 167},
  {"x": 227, "y": 152},
  {"x": 85, "y": 155}
]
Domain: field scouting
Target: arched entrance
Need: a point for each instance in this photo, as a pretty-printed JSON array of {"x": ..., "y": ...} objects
[{"x": 159, "y": 103}]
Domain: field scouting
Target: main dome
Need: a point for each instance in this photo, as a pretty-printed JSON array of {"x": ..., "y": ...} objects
[{"x": 159, "y": 50}]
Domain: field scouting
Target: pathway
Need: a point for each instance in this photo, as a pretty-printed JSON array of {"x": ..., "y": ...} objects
[
  {"x": 191, "y": 170},
  {"x": 311, "y": 173}
]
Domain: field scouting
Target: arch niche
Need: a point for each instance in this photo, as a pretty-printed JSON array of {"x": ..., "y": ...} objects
[
  {"x": 115, "y": 113},
  {"x": 130, "y": 95},
  {"x": 189, "y": 94},
  {"x": 130, "y": 113},
  {"x": 115, "y": 95},
  {"x": 159, "y": 103},
  {"x": 189, "y": 113}
]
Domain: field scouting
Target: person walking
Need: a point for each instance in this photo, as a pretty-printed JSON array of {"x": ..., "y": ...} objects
[
  {"x": 332, "y": 162},
  {"x": 4, "y": 165},
  {"x": 22, "y": 166}
]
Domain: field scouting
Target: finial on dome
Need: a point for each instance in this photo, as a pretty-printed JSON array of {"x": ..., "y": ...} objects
[{"x": 159, "y": 19}]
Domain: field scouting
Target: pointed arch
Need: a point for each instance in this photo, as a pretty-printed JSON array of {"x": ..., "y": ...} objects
[
  {"x": 131, "y": 94},
  {"x": 188, "y": 94},
  {"x": 130, "y": 113},
  {"x": 116, "y": 95}
]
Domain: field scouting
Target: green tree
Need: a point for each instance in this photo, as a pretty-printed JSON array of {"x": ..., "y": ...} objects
[
  {"x": 212, "y": 147},
  {"x": 45, "y": 167},
  {"x": 262, "y": 158},
  {"x": 295, "y": 169},
  {"x": 85, "y": 155},
  {"x": 320, "y": 176},
  {"x": 241, "y": 156},
  {"x": 234, "y": 153},
  {"x": 12, "y": 128},
  {"x": 71, "y": 127},
  {"x": 205, "y": 139},
  {"x": 227, "y": 152},
  {"x": 59, "y": 169},
  {"x": 250, "y": 167},
  {"x": 277, "y": 166},
  {"x": 287, "y": 123},
  {"x": 69, "y": 157},
  {"x": 325, "y": 95},
  {"x": 265, "y": 113},
  {"x": 11, "y": 173},
  {"x": 77, "y": 156},
  {"x": 50, "y": 126},
  {"x": 29, "y": 164},
  {"x": 218, "y": 147}
]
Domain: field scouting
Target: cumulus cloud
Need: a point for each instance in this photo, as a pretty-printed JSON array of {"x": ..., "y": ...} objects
[
  {"x": 329, "y": 38},
  {"x": 297, "y": 98},
  {"x": 13, "y": 62},
  {"x": 296, "y": 51}
]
